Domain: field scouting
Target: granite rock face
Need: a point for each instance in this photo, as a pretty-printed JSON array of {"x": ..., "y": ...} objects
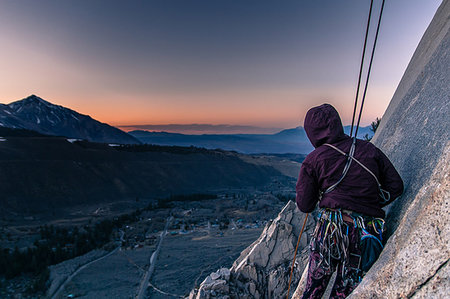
[
  {"x": 414, "y": 130},
  {"x": 414, "y": 134},
  {"x": 262, "y": 270},
  {"x": 415, "y": 260}
]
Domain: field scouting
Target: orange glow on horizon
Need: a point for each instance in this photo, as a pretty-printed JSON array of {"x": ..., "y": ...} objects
[
  {"x": 254, "y": 108},
  {"x": 264, "y": 66}
]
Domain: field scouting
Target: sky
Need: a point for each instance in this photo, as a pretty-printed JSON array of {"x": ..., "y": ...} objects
[{"x": 248, "y": 63}]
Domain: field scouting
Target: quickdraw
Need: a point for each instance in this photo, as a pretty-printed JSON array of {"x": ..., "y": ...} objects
[{"x": 331, "y": 240}]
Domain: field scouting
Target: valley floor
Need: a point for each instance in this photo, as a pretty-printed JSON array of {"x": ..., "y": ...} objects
[
  {"x": 202, "y": 236},
  {"x": 184, "y": 261}
]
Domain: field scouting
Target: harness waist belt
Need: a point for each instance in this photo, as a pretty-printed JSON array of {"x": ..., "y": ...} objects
[{"x": 347, "y": 218}]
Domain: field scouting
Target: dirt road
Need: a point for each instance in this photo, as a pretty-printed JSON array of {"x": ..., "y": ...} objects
[
  {"x": 145, "y": 280},
  {"x": 69, "y": 278}
]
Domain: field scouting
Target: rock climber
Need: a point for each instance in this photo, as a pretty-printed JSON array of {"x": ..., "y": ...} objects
[{"x": 350, "y": 210}]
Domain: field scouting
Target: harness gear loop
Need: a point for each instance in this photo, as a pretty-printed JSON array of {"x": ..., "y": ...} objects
[
  {"x": 295, "y": 254},
  {"x": 331, "y": 240}
]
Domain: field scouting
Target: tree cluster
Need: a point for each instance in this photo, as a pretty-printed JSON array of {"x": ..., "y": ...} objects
[
  {"x": 173, "y": 149},
  {"x": 285, "y": 197},
  {"x": 164, "y": 203},
  {"x": 373, "y": 127},
  {"x": 59, "y": 244}
]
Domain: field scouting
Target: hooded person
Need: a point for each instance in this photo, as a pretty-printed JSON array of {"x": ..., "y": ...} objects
[{"x": 348, "y": 212}]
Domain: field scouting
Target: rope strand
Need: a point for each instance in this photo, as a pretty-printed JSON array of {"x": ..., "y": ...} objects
[
  {"x": 370, "y": 67},
  {"x": 361, "y": 66},
  {"x": 295, "y": 254}
]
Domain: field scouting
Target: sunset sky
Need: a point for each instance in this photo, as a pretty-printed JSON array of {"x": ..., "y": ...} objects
[{"x": 239, "y": 62}]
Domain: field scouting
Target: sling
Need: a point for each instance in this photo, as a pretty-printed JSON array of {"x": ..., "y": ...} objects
[{"x": 385, "y": 195}]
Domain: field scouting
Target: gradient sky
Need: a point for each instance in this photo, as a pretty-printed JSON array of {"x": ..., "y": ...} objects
[{"x": 257, "y": 63}]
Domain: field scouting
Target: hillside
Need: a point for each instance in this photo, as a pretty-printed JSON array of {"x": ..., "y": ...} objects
[
  {"x": 34, "y": 113},
  {"x": 44, "y": 173}
]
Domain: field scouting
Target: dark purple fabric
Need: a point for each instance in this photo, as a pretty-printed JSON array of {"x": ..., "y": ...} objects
[{"x": 323, "y": 167}]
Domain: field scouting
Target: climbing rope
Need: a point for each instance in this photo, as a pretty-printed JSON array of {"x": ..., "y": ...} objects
[
  {"x": 361, "y": 66},
  {"x": 295, "y": 254},
  {"x": 384, "y": 195},
  {"x": 369, "y": 68}
]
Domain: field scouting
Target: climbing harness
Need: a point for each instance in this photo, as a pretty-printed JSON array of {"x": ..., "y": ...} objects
[{"x": 331, "y": 240}]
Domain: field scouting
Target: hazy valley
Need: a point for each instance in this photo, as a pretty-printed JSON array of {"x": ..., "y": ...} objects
[
  {"x": 80, "y": 197},
  {"x": 66, "y": 198}
]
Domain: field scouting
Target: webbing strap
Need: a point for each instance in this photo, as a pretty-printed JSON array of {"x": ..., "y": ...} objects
[
  {"x": 346, "y": 168},
  {"x": 356, "y": 160},
  {"x": 385, "y": 195}
]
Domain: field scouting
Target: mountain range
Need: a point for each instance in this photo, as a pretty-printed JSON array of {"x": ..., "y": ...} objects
[
  {"x": 37, "y": 114},
  {"x": 34, "y": 113},
  {"x": 286, "y": 141}
]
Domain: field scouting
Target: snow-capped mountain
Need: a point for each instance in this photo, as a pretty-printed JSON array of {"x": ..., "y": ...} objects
[
  {"x": 34, "y": 113},
  {"x": 8, "y": 119}
]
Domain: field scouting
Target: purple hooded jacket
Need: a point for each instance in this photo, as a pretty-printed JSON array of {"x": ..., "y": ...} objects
[{"x": 323, "y": 167}]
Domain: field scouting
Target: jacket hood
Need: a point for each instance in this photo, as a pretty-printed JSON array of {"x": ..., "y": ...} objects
[{"x": 323, "y": 125}]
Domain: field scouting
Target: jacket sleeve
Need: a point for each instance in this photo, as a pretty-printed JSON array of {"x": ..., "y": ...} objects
[
  {"x": 307, "y": 189},
  {"x": 390, "y": 179}
]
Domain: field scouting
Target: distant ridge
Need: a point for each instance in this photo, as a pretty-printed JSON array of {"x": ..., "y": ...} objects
[
  {"x": 35, "y": 113},
  {"x": 286, "y": 141},
  {"x": 196, "y": 129}
]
